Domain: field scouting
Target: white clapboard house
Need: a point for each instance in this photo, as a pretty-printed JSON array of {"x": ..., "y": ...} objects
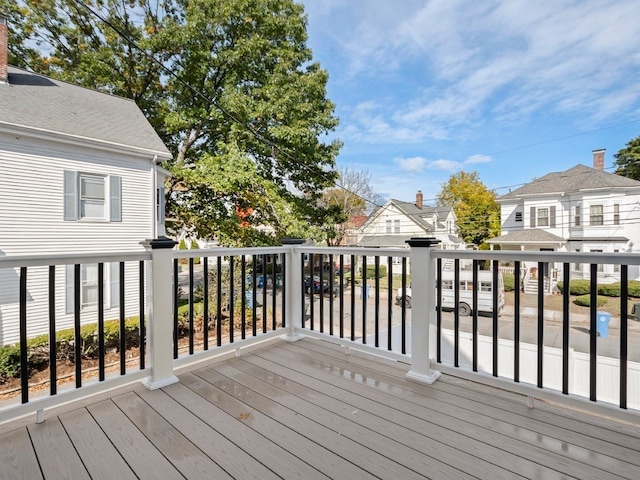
[{"x": 78, "y": 175}]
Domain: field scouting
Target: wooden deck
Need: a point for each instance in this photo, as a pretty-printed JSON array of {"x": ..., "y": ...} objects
[{"x": 305, "y": 411}]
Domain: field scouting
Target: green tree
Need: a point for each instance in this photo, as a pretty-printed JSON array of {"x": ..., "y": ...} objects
[
  {"x": 627, "y": 160},
  {"x": 241, "y": 104},
  {"x": 476, "y": 208}
]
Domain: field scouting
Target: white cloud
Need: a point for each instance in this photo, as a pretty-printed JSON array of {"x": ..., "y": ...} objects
[
  {"x": 448, "y": 165},
  {"x": 474, "y": 159},
  {"x": 413, "y": 164}
]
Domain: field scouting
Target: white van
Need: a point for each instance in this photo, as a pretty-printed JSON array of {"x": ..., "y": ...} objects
[{"x": 484, "y": 287}]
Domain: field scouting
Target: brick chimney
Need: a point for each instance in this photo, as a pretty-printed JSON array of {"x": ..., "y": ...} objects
[
  {"x": 4, "y": 49},
  {"x": 419, "y": 199},
  {"x": 598, "y": 159}
]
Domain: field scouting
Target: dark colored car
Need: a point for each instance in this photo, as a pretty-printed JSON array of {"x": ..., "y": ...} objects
[{"x": 308, "y": 282}]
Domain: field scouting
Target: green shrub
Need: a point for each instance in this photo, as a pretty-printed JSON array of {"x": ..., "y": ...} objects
[
  {"x": 9, "y": 361},
  {"x": 585, "y": 300},
  {"x": 371, "y": 271},
  {"x": 195, "y": 246},
  {"x": 634, "y": 288},
  {"x": 576, "y": 287},
  {"x": 610, "y": 290},
  {"x": 509, "y": 282}
]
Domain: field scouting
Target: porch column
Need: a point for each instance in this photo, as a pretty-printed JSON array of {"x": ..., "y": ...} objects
[
  {"x": 159, "y": 313},
  {"x": 423, "y": 310},
  {"x": 292, "y": 290}
]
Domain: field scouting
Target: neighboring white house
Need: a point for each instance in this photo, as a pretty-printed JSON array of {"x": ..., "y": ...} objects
[
  {"x": 582, "y": 209},
  {"x": 79, "y": 175},
  {"x": 396, "y": 222}
]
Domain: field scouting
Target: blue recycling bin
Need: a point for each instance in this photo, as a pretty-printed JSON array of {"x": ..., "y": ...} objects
[
  {"x": 362, "y": 291},
  {"x": 602, "y": 324}
]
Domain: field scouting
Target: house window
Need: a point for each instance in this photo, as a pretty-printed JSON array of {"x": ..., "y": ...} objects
[
  {"x": 616, "y": 214},
  {"x": 518, "y": 216},
  {"x": 92, "y": 197},
  {"x": 616, "y": 267},
  {"x": 388, "y": 226},
  {"x": 600, "y": 265},
  {"x": 595, "y": 215},
  {"x": 543, "y": 217},
  {"x": 576, "y": 217},
  {"x": 577, "y": 266},
  {"x": 396, "y": 226},
  {"x": 89, "y": 286},
  {"x": 396, "y": 260}
]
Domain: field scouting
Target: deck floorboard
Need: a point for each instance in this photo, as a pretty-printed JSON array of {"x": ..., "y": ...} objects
[{"x": 308, "y": 410}]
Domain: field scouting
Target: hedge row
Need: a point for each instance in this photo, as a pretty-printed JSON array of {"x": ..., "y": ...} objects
[
  {"x": 38, "y": 347},
  {"x": 583, "y": 287}
]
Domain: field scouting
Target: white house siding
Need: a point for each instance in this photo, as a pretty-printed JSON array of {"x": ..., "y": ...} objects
[{"x": 31, "y": 223}]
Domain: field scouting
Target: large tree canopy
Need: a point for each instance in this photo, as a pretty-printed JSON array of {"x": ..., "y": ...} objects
[
  {"x": 241, "y": 104},
  {"x": 476, "y": 209},
  {"x": 628, "y": 160}
]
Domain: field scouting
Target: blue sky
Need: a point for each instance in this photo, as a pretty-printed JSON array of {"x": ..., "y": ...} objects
[{"x": 512, "y": 89}]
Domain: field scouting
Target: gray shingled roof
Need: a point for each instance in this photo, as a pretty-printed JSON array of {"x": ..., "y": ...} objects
[
  {"x": 38, "y": 102},
  {"x": 578, "y": 178},
  {"x": 529, "y": 235}
]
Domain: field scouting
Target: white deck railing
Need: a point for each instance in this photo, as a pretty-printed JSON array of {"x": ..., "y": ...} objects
[{"x": 236, "y": 298}]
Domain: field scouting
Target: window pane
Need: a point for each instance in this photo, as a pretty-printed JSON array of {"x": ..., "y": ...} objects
[
  {"x": 92, "y": 187},
  {"x": 91, "y": 209}
]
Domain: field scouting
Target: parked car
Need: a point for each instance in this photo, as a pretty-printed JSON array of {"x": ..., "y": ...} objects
[{"x": 315, "y": 282}]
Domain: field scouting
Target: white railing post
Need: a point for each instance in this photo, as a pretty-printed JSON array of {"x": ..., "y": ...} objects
[
  {"x": 160, "y": 308},
  {"x": 423, "y": 310},
  {"x": 293, "y": 284}
]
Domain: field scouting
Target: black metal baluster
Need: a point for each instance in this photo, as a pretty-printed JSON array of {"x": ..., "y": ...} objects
[
  {"x": 101, "y": 348},
  {"x": 389, "y": 302},
  {"x": 566, "y": 279},
  {"x": 176, "y": 304},
  {"x": 624, "y": 333},
  {"x": 205, "y": 302},
  {"x": 283, "y": 286},
  {"x": 496, "y": 328},
  {"x": 474, "y": 328},
  {"x": 53, "y": 375},
  {"x": 321, "y": 313},
  {"x": 303, "y": 294},
  {"x": 439, "y": 310},
  {"x": 403, "y": 310},
  {"x": 311, "y": 297},
  {"x": 141, "y": 316},
  {"x": 191, "y": 305},
  {"x": 593, "y": 332},
  {"x": 540, "y": 323},
  {"x": 341, "y": 299},
  {"x": 456, "y": 313},
  {"x": 219, "y": 301},
  {"x": 24, "y": 366},
  {"x": 76, "y": 325},
  {"x": 123, "y": 331},
  {"x": 516, "y": 322},
  {"x": 231, "y": 299}
]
